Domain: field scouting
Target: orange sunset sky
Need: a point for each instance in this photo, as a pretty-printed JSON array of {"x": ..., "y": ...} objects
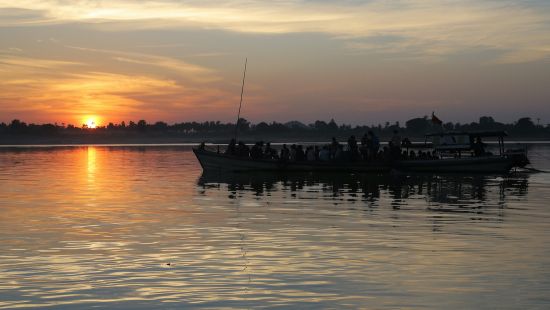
[{"x": 359, "y": 62}]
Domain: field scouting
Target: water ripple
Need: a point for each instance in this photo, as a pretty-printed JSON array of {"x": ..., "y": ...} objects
[{"x": 142, "y": 228}]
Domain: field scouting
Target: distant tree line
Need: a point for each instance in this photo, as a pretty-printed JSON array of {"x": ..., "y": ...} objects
[{"x": 414, "y": 128}]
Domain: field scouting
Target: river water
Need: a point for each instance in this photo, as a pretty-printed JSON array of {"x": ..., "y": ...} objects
[{"x": 142, "y": 228}]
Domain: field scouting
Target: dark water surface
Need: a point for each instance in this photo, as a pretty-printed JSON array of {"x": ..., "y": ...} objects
[{"x": 142, "y": 228}]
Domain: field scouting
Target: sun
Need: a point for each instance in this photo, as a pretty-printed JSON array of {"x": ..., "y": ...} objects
[{"x": 91, "y": 122}]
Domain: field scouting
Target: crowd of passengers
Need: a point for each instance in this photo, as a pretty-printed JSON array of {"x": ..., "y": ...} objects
[{"x": 368, "y": 149}]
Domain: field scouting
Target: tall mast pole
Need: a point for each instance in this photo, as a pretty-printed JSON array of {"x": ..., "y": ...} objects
[{"x": 241, "y": 102}]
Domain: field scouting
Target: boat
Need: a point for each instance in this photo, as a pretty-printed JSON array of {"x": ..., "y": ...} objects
[
  {"x": 212, "y": 160},
  {"x": 457, "y": 153}
]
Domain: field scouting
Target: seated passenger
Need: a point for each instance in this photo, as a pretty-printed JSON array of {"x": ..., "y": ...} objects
[
  {"x": 269, "y": 152},
  {"x": 394, "y": 152},
  {"x": 231, "y": 148},
  {"x": 406, "y": 143},
  {"x": 352, "y": 143},
  {"x": 334, "y": 146},
  {"x": 293, "y": 150},
  {"x": 412, "y": 155},
  {"x": 478, "y": 147},
  {"x": 285, "y": 153},
  {"x": 364, "y": 139},
  {"x": 339, "y": 155},
  {"x": 373, "y": 144},
  {"x": 243, "y": 150},
  {"x": 256, "y": 151},
  {"x": 364, "y": 150},
  {"x": 300, "y": 155},
  {"x": 353, "y": 148},
  {"x": 324, "y": 154},
  {"x": 396, "y": 139},
  {"x": 422, "y": 155},
  {"x": 316, "y": 152},
  {"x": 310, "y": 153}
]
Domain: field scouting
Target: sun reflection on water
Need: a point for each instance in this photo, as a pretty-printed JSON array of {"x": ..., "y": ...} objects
[{"x": 91, "y": 154}]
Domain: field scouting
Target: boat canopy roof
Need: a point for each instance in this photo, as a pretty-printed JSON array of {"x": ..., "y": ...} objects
[{"x": 469, "y": 133}]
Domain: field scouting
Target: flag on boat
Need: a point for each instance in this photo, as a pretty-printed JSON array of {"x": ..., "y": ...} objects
[{"x": 436, "y": 120}]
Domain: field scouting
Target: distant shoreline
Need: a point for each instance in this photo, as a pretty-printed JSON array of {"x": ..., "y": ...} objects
[{"x": 21, "y": 133}]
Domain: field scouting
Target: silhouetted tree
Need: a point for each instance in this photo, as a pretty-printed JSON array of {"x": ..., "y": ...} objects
[
  {"x": 414, "y": 128},
  {"x": 332, "y": 126},
  {"x": 262, "y": 127},
  {"x": 142, "y": 125},
  {"x": 525, "y": 123},
  {"x": 244, "y": 125},
  {"x": 160, "y": 126}
]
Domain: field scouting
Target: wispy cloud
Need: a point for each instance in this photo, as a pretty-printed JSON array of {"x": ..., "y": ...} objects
[
  {"x": 22, "y": 61},
  {"x": 72, "y": 90},
  {"x": 182, "y": 68},
  {"x": 517, "y": 29}
]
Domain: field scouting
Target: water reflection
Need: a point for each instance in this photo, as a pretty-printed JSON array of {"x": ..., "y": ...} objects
[
  {"x": 95, "y": 227},
  {"x": 443, "y": 193},
  {"x": 91, "y": 163}
]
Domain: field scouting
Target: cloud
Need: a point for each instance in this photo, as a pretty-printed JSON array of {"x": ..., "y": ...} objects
[
  {"x": 12, "y": 16},
  {"x": 69, "y": 90},
  {"x": 180, "y": 60},
  {"x": 21, "y": 61},
  {"x": 433, "y": 28},
  {"x": 182, "y": 68},
  {"x": 83, "y": 93}
]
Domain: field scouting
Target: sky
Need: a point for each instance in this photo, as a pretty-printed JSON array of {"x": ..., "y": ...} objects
[{"x": 359, "y": 62}]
